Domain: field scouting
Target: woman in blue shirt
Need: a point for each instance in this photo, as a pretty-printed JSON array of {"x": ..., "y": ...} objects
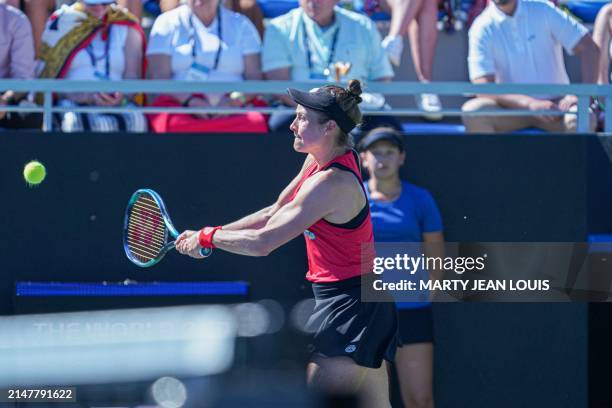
[{"x": 403, "y": 212}]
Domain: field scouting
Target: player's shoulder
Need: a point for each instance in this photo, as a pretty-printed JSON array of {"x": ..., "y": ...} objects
[
  {"x": 339, "y": 182},
  {"x": 330, "y": 180}
]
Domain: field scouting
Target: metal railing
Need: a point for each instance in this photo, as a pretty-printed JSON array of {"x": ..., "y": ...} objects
[{"x": 48, "y": 87}]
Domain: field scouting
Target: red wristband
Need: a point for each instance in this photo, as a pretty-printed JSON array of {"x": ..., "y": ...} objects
[{"x": 206, "y": 236}]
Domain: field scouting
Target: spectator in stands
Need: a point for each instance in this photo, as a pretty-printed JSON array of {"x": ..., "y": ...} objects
[
  {"x": 602, "y": 33},
  {"x": 520, "y": 41},
  {"x": 202, "y": 41},
  {"x": 313, "y": 41},
  {"x": 419, "y": 19},
  {"x": 94, "y": 40},
  {"x": 249, "y": 8},
  {"x": 38, "y": 12},
  {"x": 16, "y": 59},
  {"x": 403, "y": 212}
]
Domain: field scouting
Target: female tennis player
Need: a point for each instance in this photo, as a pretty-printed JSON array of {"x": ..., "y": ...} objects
[{"x": 327, "y": 203}]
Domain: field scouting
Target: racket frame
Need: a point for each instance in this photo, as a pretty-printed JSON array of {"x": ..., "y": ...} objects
[{"x": 169, "y": 229}]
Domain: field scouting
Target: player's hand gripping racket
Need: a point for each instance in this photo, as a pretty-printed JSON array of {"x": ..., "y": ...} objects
[{"x": 148, "y": 232}]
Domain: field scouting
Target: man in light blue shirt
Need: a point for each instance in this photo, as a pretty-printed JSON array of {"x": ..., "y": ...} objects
[
  {"x": 307, "y": 43},
  {"x": 329, "y": 34}
]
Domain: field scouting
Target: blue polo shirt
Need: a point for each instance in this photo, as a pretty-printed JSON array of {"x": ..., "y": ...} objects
[
  {"x": 357, "y": 41},
  {"x": 405, "y": 219}
]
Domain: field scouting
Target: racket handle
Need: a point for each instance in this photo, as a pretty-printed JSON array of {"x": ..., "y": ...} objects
[{"x": 205, "y": 252}]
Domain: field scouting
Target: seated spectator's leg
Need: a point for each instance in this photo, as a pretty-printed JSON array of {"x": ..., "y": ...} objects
[
  {"x": 133, "y": 6},
  {"x": 71, "y": 122},
  {"x": 492, "y": 124},
  {"x": 118, "y": 122},
  {"x": 570, "y": 122},
  {"x": 86, "y": 122},
  {"x": 136, "y": 122},
  {"x": 38, "y": 12},
  {"x": 167, "y": 5},
  {"x": 280, "y": 121},
  {"x": 423, "y": 40},
  {"x": 602, "y": 32},
  {"x": 402, "y": 13}
]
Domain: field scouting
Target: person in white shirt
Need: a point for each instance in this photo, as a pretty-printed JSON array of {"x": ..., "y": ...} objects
[
  {"x": 200, "y": 42},
  {"x": 602, "y": 33},
  {"x": 520, "y": 41}
]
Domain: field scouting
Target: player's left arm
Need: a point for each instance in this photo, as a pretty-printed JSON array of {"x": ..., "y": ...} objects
[{"x": 316, "y": 199}]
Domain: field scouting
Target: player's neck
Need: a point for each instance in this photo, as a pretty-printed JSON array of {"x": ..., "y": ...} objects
[
  {"x": 387, "y": 189},
  {"x": 325, "y": 157}
]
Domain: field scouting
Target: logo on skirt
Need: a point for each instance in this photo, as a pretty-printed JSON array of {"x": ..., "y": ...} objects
[
  {"x": 350, "y": 348},
  {"x": 309, "y": 234}
]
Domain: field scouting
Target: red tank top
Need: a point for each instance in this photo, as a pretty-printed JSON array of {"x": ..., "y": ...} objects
[{"x": 339, "y": 251}]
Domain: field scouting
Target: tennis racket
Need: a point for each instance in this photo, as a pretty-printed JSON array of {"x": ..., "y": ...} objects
[{"x": 148, "y": 232}]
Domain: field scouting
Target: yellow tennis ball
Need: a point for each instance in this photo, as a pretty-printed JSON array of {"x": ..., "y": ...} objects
[{"x": 34, "y": 173}]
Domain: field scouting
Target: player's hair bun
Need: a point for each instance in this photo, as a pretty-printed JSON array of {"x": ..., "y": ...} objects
[{"x": 354, "y": 88}]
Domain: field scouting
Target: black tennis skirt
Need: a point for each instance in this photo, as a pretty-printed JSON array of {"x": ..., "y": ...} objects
[{"x": 344, "y": 326}]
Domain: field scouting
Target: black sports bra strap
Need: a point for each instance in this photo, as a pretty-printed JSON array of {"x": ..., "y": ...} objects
[{"x": 357, "y": 220}]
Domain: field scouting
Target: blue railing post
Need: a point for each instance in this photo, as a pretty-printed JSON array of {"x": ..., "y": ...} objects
[
  {"x": 48, "y": 113},
  {"x": 584, "y": 117},
  {"x": 608, "y": 114}
]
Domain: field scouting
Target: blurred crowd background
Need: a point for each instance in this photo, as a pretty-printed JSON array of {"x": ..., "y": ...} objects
[{"x": 502, "y": 41}]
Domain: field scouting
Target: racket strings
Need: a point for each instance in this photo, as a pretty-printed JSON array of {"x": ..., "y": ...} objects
[
  {"x": 146, "y": 229},
  {"x": 139, "y": 228}
]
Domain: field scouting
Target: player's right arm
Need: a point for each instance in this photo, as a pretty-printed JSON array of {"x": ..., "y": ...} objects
[{"x": 260, "y": 218}]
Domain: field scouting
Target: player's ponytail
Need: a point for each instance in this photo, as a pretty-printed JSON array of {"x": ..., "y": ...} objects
[{"x": 348, "y": 99}]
